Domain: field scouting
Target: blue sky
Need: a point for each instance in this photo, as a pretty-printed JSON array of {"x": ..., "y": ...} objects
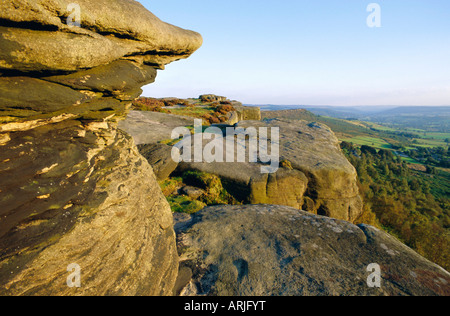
[{"x": 311, "y": 52}]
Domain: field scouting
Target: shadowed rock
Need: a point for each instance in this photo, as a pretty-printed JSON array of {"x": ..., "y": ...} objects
[
  {"x": 160, "y": 158},
  {"x": 73, "y": 188}
]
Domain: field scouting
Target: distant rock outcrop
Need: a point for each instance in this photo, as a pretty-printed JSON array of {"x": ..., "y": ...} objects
[
  {"x": 73, "y": 187},
  {"x": 212, "y": 98},
  {"x": 267, "y": 250}
]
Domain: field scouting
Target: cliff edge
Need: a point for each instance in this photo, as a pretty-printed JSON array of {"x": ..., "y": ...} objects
[{"x": 75, "y": 194}]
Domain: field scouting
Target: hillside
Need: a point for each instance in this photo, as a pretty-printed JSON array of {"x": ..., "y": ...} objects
[
  {"x": 424, "y": 118},
  {"x": 408, "y": 197}
]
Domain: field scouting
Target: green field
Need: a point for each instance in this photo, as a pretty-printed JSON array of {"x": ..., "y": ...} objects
[
  {"x": 381, "y": 137},
  {"x": 440, "y": 136},
  {"x": 191, "y": 111},
  {"x": 379, "y": 127},
  {"x": 411, "y": 161},
  {"x": 369, "y": 141},
  {"x": 430, "y": 142}
]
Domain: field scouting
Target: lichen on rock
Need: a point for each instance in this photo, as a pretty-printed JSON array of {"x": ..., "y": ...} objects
[{"x": 272, "y": 250}]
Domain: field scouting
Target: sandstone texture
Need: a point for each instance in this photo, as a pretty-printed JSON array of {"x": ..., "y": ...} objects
[
  {"x": 248, "y": 185},
  {"x": 212, "y": 98},
  {"x": 110, "y": 29},
  {"x": 73, "y": 187},
  {"x": 152, "y": 127},
  {"x": 280, "y": 251},
  {"x": 313, "y": 149},
  {"x": 314, "y": 174},
  {"x": 69, "y": 199},
  {"x": 160, "y": 158},
  {"x": 248, "y": 113}
]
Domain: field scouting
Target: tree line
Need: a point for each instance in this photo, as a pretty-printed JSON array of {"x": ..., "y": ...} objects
[{"x": 401, "y": 202}]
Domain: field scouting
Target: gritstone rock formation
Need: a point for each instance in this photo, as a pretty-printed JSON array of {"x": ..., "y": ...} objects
[
  {"x": 277, "y": 250},
  {"x": 76, "y": 195},
  {"x": 73, "y": 188},
  {"x": 317, "y": 177},
  {"x": 152, "y": 127}
]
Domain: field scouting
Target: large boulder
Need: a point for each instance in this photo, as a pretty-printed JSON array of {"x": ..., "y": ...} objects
[
  {"x": 160, "y": 158},
  {"x": 212, "y": 98},
  {"x": 74, "y": 189},
  {"x": 313, "y": 149},
  {"x": 248, "y": 185},
  {"x": 68, "y": 198},
  {"x": 267, "y": 250},
  {"x": 314, "y": 174},
  {"x": 152, "y": 127},
  {"x": 248, "y": 113}
]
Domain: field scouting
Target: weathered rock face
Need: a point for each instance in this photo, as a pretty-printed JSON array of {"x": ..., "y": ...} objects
[
  {"x": 212, "y": 98},
  {"x": 246, "y": 183},
  {"x": 110, "y": 29},
  {"x": 160, "y": 158},
  {"x": 73, "y": 188},
  {"x": 69, "y": 199},
  {"x": 248, "y": 113},
  {"x": 313, "y": 149},
  {"x": 152, "y": 127},
  {"x": 318, "y": 177},
  {"x": 280, "y": 251}
]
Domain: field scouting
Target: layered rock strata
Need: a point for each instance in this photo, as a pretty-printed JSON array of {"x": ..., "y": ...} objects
[{"x": 74, "y": 190}]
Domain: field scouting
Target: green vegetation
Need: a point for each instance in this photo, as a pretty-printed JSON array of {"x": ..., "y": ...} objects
[
  {"x": 209, "y": 112},
  {"x": 414, "y": 146},
  {"x": 369, "y": 141},
  {"x": 412, "y": 205},
  {"x": 404, "y": 178},
  {"x": 435, "y": 157},
  {"x": 214, "y": 192},
  {"x": 184, "y": 204},
  {"x": 405, "y": 118},
  {"x": 197, "y": 112}
]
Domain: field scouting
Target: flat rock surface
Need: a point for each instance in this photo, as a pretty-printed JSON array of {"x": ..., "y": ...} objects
[
  {"x": 152, "y": 127},
  {"x": 276, "y": 250}
]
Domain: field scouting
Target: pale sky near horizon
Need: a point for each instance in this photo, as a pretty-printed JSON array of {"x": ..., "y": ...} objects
[{"x": 310, "y": 52}]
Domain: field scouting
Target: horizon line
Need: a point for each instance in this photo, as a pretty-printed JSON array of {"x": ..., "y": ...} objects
[{"x": 324, "y": 105}]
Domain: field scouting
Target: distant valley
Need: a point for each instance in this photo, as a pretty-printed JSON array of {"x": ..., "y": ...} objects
[{"x": 427, "y": 118}]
